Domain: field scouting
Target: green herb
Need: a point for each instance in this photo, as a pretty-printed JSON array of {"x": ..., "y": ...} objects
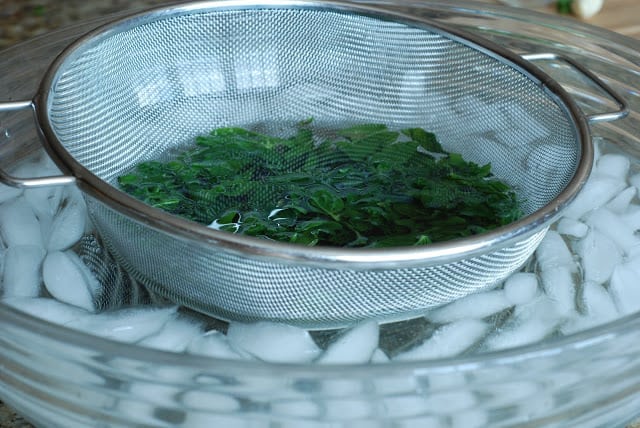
[
  {"x": 368, "y": 186},
  {"x": 39, "y": 10},
  {"x": 564, "y": 6}
]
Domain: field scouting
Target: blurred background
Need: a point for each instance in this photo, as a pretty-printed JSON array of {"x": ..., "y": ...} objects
[{"x": 24, "y": 19}]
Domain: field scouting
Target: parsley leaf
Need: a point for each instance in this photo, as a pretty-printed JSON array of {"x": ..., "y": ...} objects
[{"x": 366, "y": 187}]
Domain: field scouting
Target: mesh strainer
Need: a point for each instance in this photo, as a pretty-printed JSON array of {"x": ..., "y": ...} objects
[{"x": 135, "y": 88}]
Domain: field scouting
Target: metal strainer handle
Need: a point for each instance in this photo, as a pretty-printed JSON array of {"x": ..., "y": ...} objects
[
  {"x": 30, "y": 182},
  {"x": 623, "y": 108}
]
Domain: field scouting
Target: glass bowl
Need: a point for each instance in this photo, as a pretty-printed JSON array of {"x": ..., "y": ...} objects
[{"x": 59, "y": 377}]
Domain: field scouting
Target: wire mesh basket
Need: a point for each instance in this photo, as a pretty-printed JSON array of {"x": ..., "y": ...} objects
[{"x": 133, "y": 89}]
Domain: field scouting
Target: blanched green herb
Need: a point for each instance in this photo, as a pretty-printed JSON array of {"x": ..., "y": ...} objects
[{"x": 367, "y": 187}]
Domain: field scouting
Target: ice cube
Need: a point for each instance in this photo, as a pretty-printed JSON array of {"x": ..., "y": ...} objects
[
  {"x": 22, "y": 275},
  {"x": 613, "y": 165},
  {"x": 477, "y": 306},
  {"x": 158, "y": 393},
  {"x": 598, "y": 308},
  {"x": 447, "y": 341},
  {"x": 565, "y": 378},
  {"x": 529, "y": 323},
  {"x": 539, "y": 168},
  {"x": 521, "y": 332},
  {"x": 379, "y": 356},
  {"x": 625, "y": 288},
  {"x": 553, "y": 252},
  {"x": 509, "y": 391},
  {"x": 353, "y": 346},
  {"x": 126, "y": 325},
  {"x": 394, "y": 385},
  {"x": 571, "y": 227},
  {"x": 398, "y": 407},
  {"x": 515, "y": 114},
  {"x": 542, "y": 306},
  {"x": 347, "y": 408},
  {"x": 73, "y": 372},
  {"x": 493, "y": 118},
  {"x": 273, "y": 342},
  {"x": 599, "y": 255},
  {"x": 597, "y": 302},
  {"x": 44, "y": 201},
  {"x": 142, "y": 411},
  {"x": 68, "y": 225},
  {"x": 596, "y": 192},
  {"x": 175, "y": 335},
  {"x": 213, "y": 344},
  {"x": 69, "y": 280},
  {"x": 446, "y": 381},
  {"x": 579, "y": 323},
  {"x": 633, "y": 262},
  {"x": 341, "y": 387},
  {"x": 297, "y": 408},
  {"x": 498, "y": 374},
  {"x": 472, "y": 418},
  {"x": 211, "y": 420},
  {"x": 449, "y": 402},
  {"x": 632, "y": 216},
  {"x": 538, "y": 406},
  {"x": 7, "y": 193},
  {"x": 19, "y": 225},
  {"x": 49, "y": 309},
  {"x": 634, "y": 180},
  {"x": 559, "y": 285},
  {"x": 428, "y": 421},
  {"x": 209, "y": 400},
  {"x": 614, "y": 227},
  {"x": 521, "y": 287},
  {"x": 621, "y": 202}
]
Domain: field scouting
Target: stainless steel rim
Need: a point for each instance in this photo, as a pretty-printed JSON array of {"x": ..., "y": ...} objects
[{"x": 325, "y": 257}]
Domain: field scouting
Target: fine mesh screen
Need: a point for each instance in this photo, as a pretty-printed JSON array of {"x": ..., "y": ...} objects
[
  {"x": 129, "y": 94},
  {"x": 233, "y": 287}
]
